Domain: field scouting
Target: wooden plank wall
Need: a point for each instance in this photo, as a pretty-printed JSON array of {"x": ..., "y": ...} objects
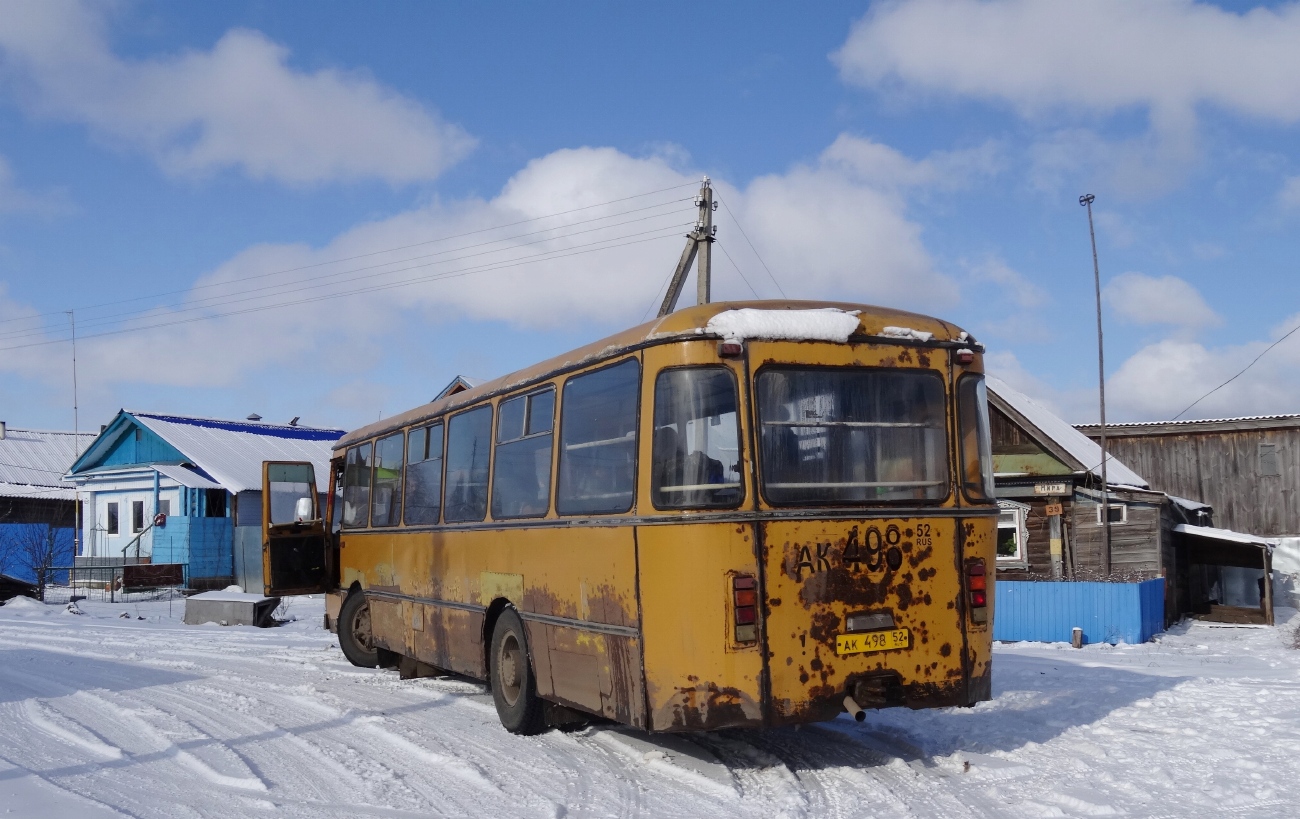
[
  {"x": 1222, "y": 468},
  {"x": 1135, "y": 545}
]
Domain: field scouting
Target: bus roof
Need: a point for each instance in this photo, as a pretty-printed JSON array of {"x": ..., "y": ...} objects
[{"x": 684, "y": 324}]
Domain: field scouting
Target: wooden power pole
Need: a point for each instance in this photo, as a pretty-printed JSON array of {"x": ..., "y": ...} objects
[
  {"x": 1086, "y": 200},
  {"x": 699, "y": 244}
]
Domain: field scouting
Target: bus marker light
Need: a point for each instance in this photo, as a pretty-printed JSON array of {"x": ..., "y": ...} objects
[
  {"x": 731, "y": 349},
  {"x": 965, "y": 356}
]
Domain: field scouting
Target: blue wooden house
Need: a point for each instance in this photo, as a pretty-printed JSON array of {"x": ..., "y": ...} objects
[{"x": 176, "y": 489}]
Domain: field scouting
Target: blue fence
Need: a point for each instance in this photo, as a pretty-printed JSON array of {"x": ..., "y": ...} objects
[
  {"x": 206, "y": 544},
  {"x": 1107, "y": 612}
]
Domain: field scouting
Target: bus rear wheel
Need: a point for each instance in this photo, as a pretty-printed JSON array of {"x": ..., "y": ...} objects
[
  {"x": 355, "y": 635},
  {"x": 514, "y": 689}
]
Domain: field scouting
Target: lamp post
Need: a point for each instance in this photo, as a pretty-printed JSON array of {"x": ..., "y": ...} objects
[{"x": 1086, "y": 200}]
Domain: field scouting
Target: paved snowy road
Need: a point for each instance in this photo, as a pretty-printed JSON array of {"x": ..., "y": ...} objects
[{"x": 101, "y": 716}]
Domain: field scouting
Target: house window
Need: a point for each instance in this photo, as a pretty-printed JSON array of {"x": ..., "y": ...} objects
[
  {"x": 1118, "y": 513},
  {"x": 1013, "y": 535},
  {"x": 1269, "y": 467},
  {"x": 164, "y": 507},
  {"x": 214, "y": 503},
  {"x": 137, "y": 516},
  {"x": 112, "y": 519}
]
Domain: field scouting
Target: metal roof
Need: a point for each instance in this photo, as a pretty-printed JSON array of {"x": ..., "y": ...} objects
[
  {"x": 1148, "y": 428},
  {"x": 33, "y": 461},
  {"x": 1085, "y": 451},
  {"x": 232, "y": 451}
]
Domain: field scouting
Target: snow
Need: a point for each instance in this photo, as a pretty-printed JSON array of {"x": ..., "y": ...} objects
[
  {"x": 1189, "y": 505},
  {"x": 907, "y": 332},
  {"x": 829, "y": 324},
  {"x": 1225, "y": 534},
  {"x": 101, "y": 716},
  {"x": 232, "y": 594},
  {"x": 1080, "y": 446}
]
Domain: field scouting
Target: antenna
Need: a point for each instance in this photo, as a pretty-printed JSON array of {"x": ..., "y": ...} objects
[
  {"x": 76, "y": 442},
  {"x": 699, "y": 242}
]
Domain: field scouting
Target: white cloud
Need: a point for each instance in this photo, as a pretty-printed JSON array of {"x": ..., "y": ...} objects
[
  {"x": 1289, "y": 196},
  {"x": 1019, "y": 290},
  {"x": 1167, "y": 300},
  {"x": 1162, "y": 379},
  {"x": 239, "y": 105},
  {"x": 14, "y": 199},
  {"x": 827, "y": 230},
  {"x": 1166, "y": 58}
]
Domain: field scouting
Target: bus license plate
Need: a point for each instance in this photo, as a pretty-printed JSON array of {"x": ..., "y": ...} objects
[{"x": 872, "y": 641}]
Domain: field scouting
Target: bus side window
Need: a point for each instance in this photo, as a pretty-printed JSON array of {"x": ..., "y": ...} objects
[
  {"x": 356, "y": 487},
  {"x": 469, "y": 439},
  {"x": 696, "y": 439},
  {"x": 976, "y": 447},
  {"x": 386, "y": 494},
  {"x": 424, "y": 474},
  {"x": 522, "y": 487},
  {"x": 598, "y": 441}
]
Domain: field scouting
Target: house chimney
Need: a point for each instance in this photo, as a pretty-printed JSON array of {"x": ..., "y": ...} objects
[
  {"x": 2, "y": 430},
  {"x": 294, "y": 422},
  {"x": 254, "y": 417}
]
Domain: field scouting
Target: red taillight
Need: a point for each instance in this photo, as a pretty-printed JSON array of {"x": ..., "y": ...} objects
[
  {"x": 977, "y": 589},
  {"x": 744, "y": 593}
]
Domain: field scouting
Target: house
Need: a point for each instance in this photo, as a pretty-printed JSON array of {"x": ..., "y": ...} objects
[
  {"x": 1247, "y": 468},
  {"x": 38, "y": 513},
  {"x": 177, "y": 489},
  {"x": 1048, "y": 480}
]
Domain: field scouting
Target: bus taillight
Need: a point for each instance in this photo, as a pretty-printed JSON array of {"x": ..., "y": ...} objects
[
  {"x": 744, "y": 591},
  {"x": 977, "y": 588}
]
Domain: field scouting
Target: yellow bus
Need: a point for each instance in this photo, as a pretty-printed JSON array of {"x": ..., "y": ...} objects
[{"x": 739, "y": 514}]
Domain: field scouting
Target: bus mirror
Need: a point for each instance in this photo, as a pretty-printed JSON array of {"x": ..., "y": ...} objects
[{"x": 302, "y": 510}]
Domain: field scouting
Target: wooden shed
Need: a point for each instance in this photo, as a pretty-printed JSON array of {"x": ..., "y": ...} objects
[{"x": 1248, "y": 469}]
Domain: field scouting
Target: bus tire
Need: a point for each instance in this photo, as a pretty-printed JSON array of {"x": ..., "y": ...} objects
[
  {"x": 514, "y": 688},
  {"x": 355, "y": 635}
]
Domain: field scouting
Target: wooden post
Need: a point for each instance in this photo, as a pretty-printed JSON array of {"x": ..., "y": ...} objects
[{"x": 1267, "y": 602}]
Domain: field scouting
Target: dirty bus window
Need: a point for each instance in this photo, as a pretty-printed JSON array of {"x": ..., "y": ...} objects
[
  {"x": 852, "y": 435},
  {"x": 356, "y": 487},
  {"x": 469, "y": 438},
  {"x": 291, "y": 485},
  {"x": 522, "y": 487},
  {"x": 386, "y": 496},
  {"x": 424, "y": 474},
  {"x": 598, "y": 418},
  {"x": 696, "y": 434},
  {"x": 976, "y": 446}
]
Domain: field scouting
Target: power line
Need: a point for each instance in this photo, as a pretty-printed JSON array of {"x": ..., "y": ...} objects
[
  {"x": 241, "y": 296},
  {"x": 1234, "y": 378},
  {"x": 551, "y": 255},
  {"x": 751, "y": 247},
  {"x": 378, "y": 252},
  {"x": 733, "y": 264}
]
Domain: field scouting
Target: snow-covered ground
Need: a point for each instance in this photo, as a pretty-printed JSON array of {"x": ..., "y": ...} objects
[{"x": 102, "y": 716}]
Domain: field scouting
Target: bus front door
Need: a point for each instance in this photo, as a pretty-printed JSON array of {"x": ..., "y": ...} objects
[{"x": 295, "y": 553}]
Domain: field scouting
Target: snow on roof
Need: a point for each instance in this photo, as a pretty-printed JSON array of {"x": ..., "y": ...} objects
[
  {"x": 185, "y": 476},
  {"x": 1082, "y": 448},
  {"x": 1226, "y": 534},
  {"x": 1190, "y": 505},
  {"x": 33, "y": 461},
  {"x": 825, "y": 324},
  {"x": 232, "y": 451}
]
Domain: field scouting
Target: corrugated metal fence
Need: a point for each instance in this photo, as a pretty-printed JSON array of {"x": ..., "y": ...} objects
[{"x": 1047, "y": 611}]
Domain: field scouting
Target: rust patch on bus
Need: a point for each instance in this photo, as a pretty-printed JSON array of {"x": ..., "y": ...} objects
[{"x": 707, "y": 707}]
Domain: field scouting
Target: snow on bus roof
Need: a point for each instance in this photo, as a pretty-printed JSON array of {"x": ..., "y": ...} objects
[{"x": 821, "y": 324}]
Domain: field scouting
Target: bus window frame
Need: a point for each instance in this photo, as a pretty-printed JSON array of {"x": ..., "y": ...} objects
[
  {"x": 949, "y": 430},
  {"x": 526, "y": 396},
  {"x": 960, "y": 450},
  {"x": 440, "y": 421},
  {"x": 446, "y": 452},
  {"x": 370, "y": 470},
  {"x": 741, "y": 392},
  {"x": 636, "y": 443}
]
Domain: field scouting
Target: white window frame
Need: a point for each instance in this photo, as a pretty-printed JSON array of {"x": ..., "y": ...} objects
[
  {"x": 1019, "y": 513},
  {"x": 1123, "y": 513}
]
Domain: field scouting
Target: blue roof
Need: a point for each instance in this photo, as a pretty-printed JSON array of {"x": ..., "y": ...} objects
[{"x": 272, "y": 430}]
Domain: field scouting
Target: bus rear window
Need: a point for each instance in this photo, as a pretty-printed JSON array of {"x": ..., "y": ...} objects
[
  {"x": 696, "y": 439},
  {"x": 852, "y": 436},
  {"x": 598, "y": 441}
]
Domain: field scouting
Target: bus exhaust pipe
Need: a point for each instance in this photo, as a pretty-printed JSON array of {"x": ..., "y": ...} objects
[{"x": 853, "y": 708}]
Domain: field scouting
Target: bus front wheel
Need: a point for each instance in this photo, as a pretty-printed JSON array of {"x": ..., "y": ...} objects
[
  {"x": 355, "y": 635},
  {"x": 514, "y": 688}
]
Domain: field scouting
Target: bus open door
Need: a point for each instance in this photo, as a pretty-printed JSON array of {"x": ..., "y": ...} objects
[{"x": 296, "y": 558}]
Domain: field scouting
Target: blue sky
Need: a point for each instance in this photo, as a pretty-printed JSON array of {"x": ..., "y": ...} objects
[{"x": 927, "y": 155}]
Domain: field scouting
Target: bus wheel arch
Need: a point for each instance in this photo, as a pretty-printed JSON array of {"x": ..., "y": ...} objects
[
  {"x": 356, "y": 636},
  {"x": 511, "y": 676}
]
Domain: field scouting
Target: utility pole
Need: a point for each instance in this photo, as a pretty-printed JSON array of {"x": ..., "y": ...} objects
[
  {"x": 699, "y": 242},
  {"x": 76, "y": 444},
  {"x": 1086, "y": 200}
]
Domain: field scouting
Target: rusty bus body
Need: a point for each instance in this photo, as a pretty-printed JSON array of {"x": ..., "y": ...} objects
[{"x": 754, "y": 581}]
